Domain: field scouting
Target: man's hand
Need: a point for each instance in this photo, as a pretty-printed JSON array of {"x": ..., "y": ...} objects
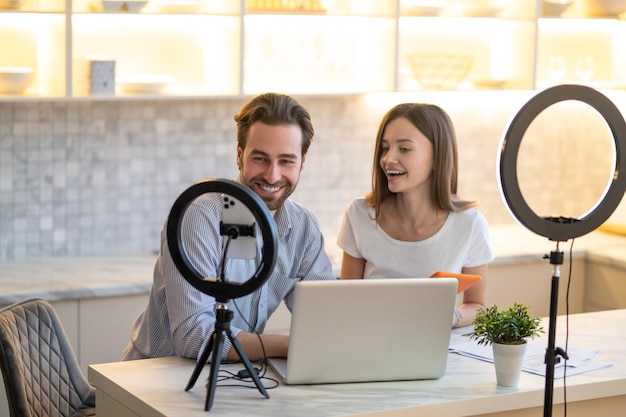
[{"x": 275, "y": 346}]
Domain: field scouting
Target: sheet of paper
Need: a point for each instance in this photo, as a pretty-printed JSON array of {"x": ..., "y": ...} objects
[{"x": 580, "y": 359}]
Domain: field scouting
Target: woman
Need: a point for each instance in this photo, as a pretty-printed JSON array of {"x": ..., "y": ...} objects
[{"x": 412, "y": 223}]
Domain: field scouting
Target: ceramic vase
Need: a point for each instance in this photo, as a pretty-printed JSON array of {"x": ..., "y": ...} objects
[{"x": 508, "y": 361}]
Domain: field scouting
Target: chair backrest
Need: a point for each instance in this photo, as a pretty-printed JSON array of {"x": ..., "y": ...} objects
[{"x": 41, "y": 374}]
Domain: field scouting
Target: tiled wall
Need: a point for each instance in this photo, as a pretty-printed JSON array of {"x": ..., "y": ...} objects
[{"x": 99, "y": 177}]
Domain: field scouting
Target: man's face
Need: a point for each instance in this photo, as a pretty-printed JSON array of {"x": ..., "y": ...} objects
[{"x": 272, "y": 161}]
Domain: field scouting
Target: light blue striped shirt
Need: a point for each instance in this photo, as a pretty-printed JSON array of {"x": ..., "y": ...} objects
[{"x": 179, "y": 319}]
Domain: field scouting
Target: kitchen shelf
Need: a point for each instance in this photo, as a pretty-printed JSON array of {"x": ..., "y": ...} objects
[
  {"x": 337, "y": 55},
  {"x": 199, "y": 64},
  {"x": 226, "y": 48},
  {"x": 577, "y": 50},
  {"x": 500, "y": 49}
]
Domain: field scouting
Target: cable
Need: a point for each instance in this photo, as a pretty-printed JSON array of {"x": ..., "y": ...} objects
[
  {"x": 569, "y": 282},
  {"x": 243, "y": 381},
  {"x": 253, "y": 330},
  {"x": 225, "y": 375},
  {"x": 222, "y": 266}
]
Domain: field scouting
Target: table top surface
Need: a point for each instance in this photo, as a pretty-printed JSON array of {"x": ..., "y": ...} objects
[{"x": 155, "y": 387}]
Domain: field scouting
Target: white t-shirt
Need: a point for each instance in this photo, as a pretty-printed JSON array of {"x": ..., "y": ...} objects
[{"x": 463, "y": 241}]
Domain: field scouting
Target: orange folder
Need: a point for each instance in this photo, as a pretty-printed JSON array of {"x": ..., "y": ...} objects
[{"x": 465, "y": 280}]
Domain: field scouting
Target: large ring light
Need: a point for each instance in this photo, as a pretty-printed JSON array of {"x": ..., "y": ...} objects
[
  {"x": 221, "y": 290},
  {"x": 561, "y": 229}
]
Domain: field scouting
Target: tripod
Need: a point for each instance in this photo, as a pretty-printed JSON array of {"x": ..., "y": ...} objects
[{"x": 222, "y": 325}]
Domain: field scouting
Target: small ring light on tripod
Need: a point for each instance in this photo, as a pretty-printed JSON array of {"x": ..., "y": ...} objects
[
  {"x": 221, "y": 290},
  {"x": 559, "y": 229}
]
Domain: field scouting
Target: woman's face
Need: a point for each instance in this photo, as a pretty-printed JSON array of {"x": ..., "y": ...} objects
[{"x": 406, "y": 156}]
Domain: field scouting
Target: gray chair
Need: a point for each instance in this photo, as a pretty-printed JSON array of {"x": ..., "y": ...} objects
[{"x": 41, "y": 374}]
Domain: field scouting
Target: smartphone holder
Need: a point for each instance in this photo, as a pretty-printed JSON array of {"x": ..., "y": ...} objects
[
  {"x": 559, "y": 229},
  {"x": 218, "y": 288}
]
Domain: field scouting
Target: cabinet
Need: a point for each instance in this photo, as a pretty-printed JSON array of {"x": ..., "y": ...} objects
[
  {"x": 99, "y": 328},
  {"x": 606, "y": 286},
  {"x": 530, "y": 283},
  {"x": 222, "y": 48},
  {"x": 104, "y": 340}
]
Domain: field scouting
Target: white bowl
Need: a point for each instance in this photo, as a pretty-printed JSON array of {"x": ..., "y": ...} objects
[
  {"x": 108, "y": 5},
  {"x": 11, "y": 4},
  {"x": 488, "y": 82},
  {"x": 421, "y": 10},
  {"x": 482, "y": 11},
  {"x": 144, "y": 83},
  {"x": 15, "y": 80},
  {"x": 181, "y": 6},
  {"x": 422, "y": 7},
  {"x": 135, "y": 5},
  {"x": 555, "y": 8},
  {"x": 603, "y": 8},
  {"x": 440, "y": 70}
]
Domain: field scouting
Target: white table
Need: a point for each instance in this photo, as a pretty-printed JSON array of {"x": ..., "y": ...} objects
[{"x": 155, "y": 387}]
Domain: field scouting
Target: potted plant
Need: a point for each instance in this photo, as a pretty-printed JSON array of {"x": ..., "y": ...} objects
[{"x": 507, "y": 331}]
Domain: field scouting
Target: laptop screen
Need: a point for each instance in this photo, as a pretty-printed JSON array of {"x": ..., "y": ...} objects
[{"x": 369, "y": 330}]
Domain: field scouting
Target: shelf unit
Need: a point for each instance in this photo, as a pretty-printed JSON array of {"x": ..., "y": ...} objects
[{"x": 223, "y": 48}]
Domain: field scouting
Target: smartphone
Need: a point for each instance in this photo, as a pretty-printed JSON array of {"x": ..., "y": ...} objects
[{"x": 235, "y": 213}]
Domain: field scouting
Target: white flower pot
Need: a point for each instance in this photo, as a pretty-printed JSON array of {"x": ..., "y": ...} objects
[{"x": 508, "y": 361}]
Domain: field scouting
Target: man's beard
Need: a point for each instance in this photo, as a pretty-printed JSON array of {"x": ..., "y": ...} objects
[{"x": 272, "y": 203}]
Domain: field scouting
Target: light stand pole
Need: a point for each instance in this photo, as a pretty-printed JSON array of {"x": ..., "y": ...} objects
[{"x": 551, "y": 359}]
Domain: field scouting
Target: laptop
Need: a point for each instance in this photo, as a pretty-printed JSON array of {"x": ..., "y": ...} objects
[{"x": 366, "y": 330}]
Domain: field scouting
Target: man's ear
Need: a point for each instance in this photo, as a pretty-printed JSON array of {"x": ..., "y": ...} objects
[
  {"x": 239, "y": 157},
  {"x": 303, "y": 161}
]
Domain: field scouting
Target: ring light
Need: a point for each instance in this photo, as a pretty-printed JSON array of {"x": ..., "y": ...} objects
[
  {"x": 219, "y": 289},
  {"x": 561, "y": 229},
  {"x": 222, "y": 290}
]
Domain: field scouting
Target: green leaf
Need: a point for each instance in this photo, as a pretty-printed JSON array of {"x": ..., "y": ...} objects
[{"x": 510, "y": 326}]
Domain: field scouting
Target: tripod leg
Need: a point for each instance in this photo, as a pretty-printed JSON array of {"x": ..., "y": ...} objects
[
  {"x": 200, "y": 364},
  {"x": 218, "y": 343},
  {"x": 248, "y": 365}
]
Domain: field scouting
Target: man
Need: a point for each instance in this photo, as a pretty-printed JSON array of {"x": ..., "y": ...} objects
[{"x": 274, "y": 133}]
